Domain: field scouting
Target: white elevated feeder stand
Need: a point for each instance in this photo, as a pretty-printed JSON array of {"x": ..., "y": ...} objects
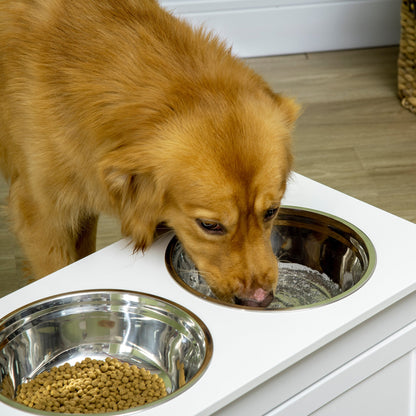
[{"x": 356, "y": 356}]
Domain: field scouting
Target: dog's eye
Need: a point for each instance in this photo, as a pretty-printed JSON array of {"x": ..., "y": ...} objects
[
  {"x": 270, "y": 214},
  {"x": 211, "y": 227}
]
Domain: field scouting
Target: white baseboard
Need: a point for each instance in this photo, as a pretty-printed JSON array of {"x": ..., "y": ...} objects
[{"x": 276, "y": 27}]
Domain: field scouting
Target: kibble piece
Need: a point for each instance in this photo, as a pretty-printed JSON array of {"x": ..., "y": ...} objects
[{"x": 91, "y": 386}]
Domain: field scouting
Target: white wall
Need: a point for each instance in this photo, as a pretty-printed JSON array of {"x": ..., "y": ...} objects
[{"x": 274, "y": 27}]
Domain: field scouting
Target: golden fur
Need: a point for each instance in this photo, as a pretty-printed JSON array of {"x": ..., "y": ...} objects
[{"x": 116, "y": 106}]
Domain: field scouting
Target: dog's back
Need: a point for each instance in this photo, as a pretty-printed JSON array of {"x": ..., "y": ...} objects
[{"x": 75, "y": 72}]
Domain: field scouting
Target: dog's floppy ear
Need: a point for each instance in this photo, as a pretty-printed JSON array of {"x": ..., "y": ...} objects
[
  {"x": 289, "y": 108},
  {"x": 136, "y": 196}
]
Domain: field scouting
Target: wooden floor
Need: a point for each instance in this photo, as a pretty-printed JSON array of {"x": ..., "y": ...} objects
[{"x": 353, "y": 136}]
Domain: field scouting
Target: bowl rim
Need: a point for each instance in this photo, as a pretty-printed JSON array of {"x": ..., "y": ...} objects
[
  {"x": 368, "y": 246},
  {"x": 209, "y": 349}
]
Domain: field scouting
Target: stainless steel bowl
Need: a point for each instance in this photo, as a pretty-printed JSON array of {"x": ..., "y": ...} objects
[
  {"x": 322, "y": 258},
  {"x": 136, "y": 328}
]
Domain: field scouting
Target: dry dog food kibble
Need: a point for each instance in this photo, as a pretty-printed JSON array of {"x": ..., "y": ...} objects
[{"x": 91, "y": 386}]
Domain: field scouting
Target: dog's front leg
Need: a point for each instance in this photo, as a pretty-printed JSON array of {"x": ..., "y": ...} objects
[{"x": 51, "y": 238}]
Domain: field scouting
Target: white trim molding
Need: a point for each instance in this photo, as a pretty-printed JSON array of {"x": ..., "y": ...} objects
[{"x": 276, "y": 27}]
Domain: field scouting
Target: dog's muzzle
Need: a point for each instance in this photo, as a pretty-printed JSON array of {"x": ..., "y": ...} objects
[{"x": 260, "y": 299}]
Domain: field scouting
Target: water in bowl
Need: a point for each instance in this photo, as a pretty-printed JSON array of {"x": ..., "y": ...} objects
[{"x": 298, "y": 285}]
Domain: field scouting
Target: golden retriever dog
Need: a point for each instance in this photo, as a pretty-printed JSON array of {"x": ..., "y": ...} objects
[{"x": 117, "y": 106}]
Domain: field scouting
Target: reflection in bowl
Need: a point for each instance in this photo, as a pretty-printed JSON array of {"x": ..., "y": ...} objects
[
  {"x": 322, "y": 258},
  {"x": 135, "y": 328}
]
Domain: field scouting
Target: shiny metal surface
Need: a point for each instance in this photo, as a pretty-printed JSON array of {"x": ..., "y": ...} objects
[
  {"x": 140, "y": 329},
  {"x": 324, "y": 245}
]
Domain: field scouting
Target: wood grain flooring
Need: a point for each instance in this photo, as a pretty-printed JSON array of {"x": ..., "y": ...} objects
[{"x": 353, "y": 136}]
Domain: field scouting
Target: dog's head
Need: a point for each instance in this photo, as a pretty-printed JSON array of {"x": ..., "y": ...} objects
[{"x": 217, "y": 175}]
